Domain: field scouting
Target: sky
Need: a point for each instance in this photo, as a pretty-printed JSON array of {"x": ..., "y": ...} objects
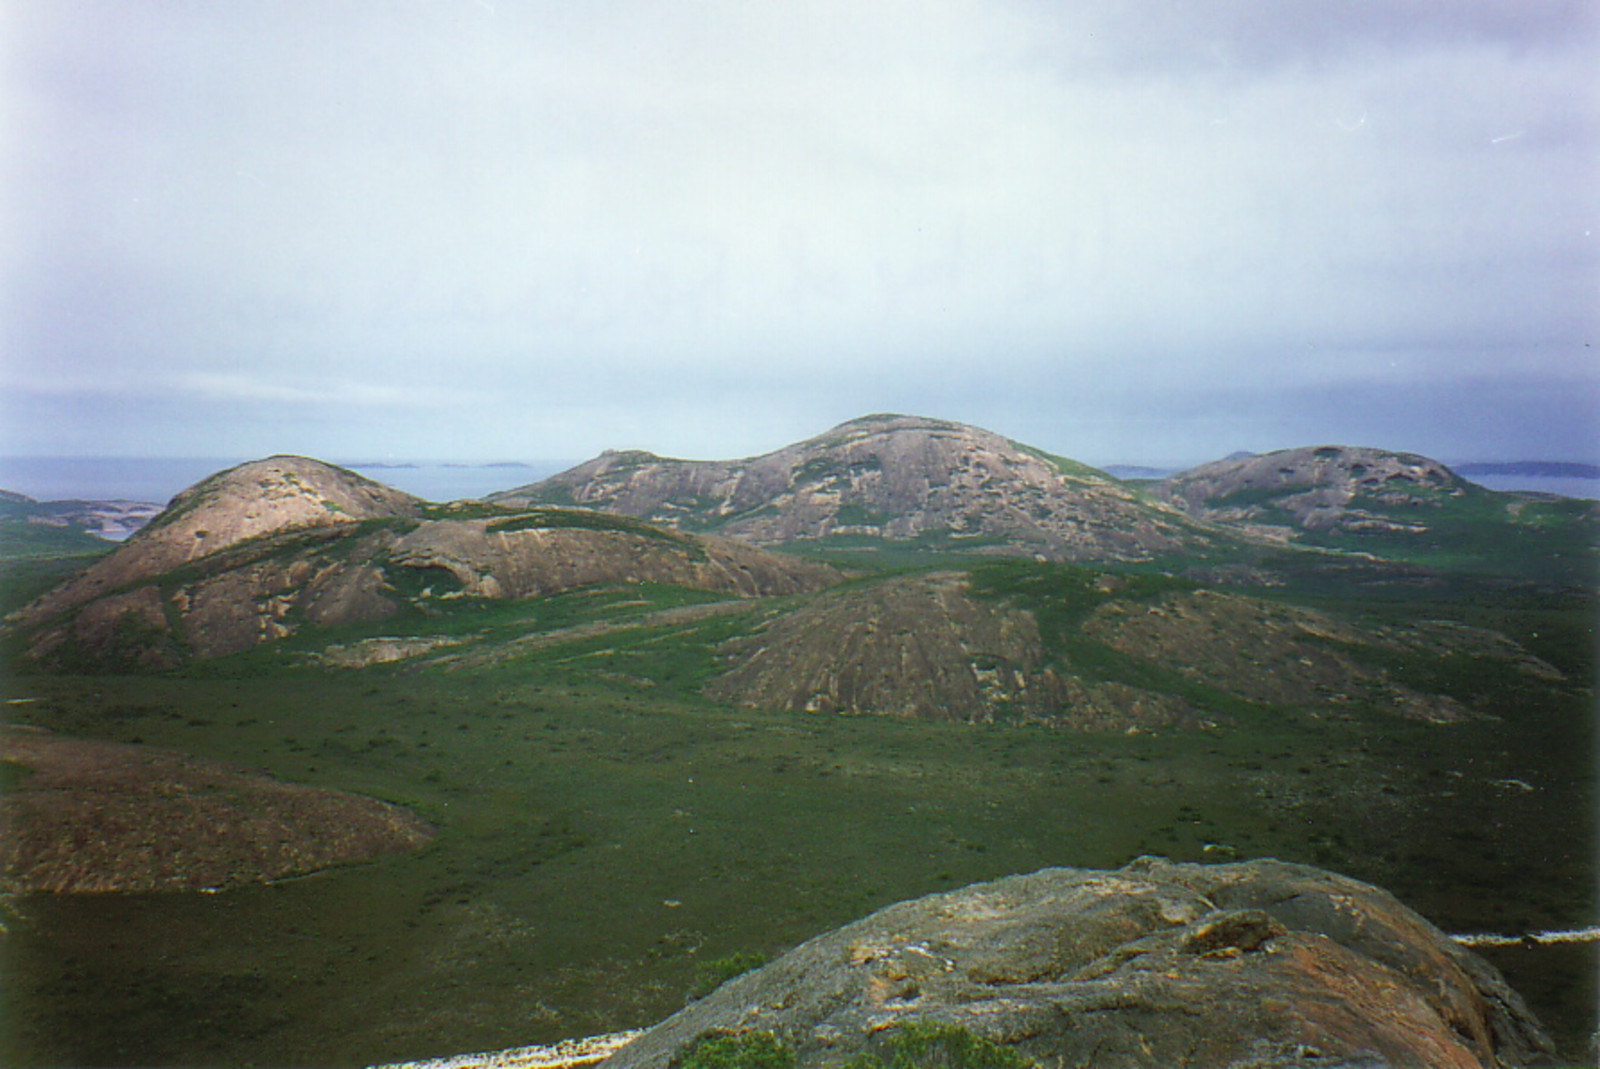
[{"x": 1127, "y": 231}]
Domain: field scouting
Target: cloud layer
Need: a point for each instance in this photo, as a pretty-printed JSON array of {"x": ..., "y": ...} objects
[{"x": 1144, "y": 231}]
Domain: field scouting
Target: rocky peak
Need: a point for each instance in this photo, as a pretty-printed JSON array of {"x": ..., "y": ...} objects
[
  {"x": 1318, "y": 487},
  {"x": 885, "y": 422},
  {"x": 886, "y": 476},
  {"x": 269, "y": 495},
  {"x": 252, "y": 500},
  {"x": 1351, "y": 468},
  {"x": 253, "y": 553}
]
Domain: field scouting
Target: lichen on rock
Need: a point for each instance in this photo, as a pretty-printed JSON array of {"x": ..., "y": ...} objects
[{"x": 1156, "y": 964}]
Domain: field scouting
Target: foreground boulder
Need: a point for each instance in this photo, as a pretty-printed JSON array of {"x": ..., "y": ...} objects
[{"x": 1157, "y": 964}]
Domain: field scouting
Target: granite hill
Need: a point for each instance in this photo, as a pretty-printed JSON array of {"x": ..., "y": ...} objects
[
  {"x": 888, "y": 479},
  {"x": 260, "y": 551},
  {"x": 1388, "y": 504}
]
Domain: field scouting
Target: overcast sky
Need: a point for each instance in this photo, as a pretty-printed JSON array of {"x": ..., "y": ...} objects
[{"x": 1122, "y": 230}]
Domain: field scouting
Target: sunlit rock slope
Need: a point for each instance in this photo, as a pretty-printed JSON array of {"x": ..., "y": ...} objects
[
  {"x": 267, "y": 549},
  {"x": 1157, "y": 965},
  {"x": 893, "y": 478},
  {"x": 1398, "y": 506}
]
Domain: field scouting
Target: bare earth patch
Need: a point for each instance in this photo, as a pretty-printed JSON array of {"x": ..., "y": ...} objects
[{"x": 87, "y": 815}]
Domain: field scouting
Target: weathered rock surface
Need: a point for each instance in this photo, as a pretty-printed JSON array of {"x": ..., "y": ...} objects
[
  {"x": 920, "y": 647},
  {"x": 899, "y": 478},
  {"x": 1156, "y": 965},
  {"x": 1269, "y": 652},
  {"x": 88, "y": 815},
  {"x": 1395, "y": 507},
  {"x": 925, "y": 646},
  {"x": 250, "y": 501},
  {"x": 257, "y": 553},
  {"x": 1330, "y": 487}
]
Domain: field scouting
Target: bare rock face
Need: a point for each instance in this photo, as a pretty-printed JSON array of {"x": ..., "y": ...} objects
[
  {"x": 251, "y": 501},
  {"x": 898, "y": 478},
  {"x": 89, "y": 815},
  {"x": 933, "y": 646},
  {"x": 1156, "y": 965},
  {"x": 256, "y": 553},
  {"x": 921, "y": 647},
  {"x": 1316, "y": 489},
  {"x": 1268, "y": 652},
  {"x": 540, "y": 553}
]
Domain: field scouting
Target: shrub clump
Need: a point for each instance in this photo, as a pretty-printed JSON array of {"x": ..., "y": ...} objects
[
  {"x": 913, "y": 1045},
  {"x": 930, "y": 1045},
  {"x": 713, "y": 974},
  {"x": 758, "y": 1049}
]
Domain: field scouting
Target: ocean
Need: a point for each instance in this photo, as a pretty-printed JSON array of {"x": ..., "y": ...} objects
[{"x": 1547, "y": 484}]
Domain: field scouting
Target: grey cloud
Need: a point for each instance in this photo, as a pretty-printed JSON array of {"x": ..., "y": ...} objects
[
  {"x": 1247, "y": 37},
  {"x": 776, "y": 216}
]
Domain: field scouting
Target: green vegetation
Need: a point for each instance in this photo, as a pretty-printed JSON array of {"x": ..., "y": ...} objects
[
  {"x": 1061, "y": 597},
  {"x": 584, "y": 520},
  {"x": 1072, "y": 469},
  {"x": 937, "y": 548},
  {"x": 553, "y": 494},
  {"x": 469, "y": 510},
  {"x": 851, "y": 514},
  {"x": 713, "y": 974},
  {"x": 757, "y": 1049},
  {"x": 12, "y": 775},
  {"x": 24, "y": 578},
  {"x": 1458, "y": 527},
  {"x": 912, "y": 1045},
  {"x": 1246, "y": 496},
  {"x": 609, "y": 838},
  {"x": 584, "y": 776},
  {"x": 413, "y": 583},
  {"x": 931, "y": 1045},
  {"x": 21, "y": 540},
  {"x": 818, "y": 469}
]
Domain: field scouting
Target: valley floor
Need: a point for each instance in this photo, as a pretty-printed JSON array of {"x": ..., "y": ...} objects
[{"x": 603, "y": 842}]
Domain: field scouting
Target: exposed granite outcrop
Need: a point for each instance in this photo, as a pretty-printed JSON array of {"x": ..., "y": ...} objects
[
  {"x": 890, "y": 477},
  {"x": 244, "y": 503},
  {"x": 933, "y": 646},
  {"x": 921, "y": 647},
  {"x": 1315, "y": 488},
  {"x": 254, "y": 554},
  {"x": 1156, "y": 965}
]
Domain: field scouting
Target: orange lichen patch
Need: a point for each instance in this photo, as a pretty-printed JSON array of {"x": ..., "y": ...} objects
[{"x": 1346, "y": 1001}]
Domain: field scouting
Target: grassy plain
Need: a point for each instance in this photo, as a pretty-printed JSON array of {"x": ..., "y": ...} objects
[{"x": 605, "y": 832}]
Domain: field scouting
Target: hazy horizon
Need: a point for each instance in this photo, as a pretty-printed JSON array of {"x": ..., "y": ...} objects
[{"x": 441, "y": 479}]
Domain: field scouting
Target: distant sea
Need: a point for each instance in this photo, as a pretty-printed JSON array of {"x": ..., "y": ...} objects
[
  {"x": 160, "y": 478},
  {"x": 1548, "y": 484}
]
